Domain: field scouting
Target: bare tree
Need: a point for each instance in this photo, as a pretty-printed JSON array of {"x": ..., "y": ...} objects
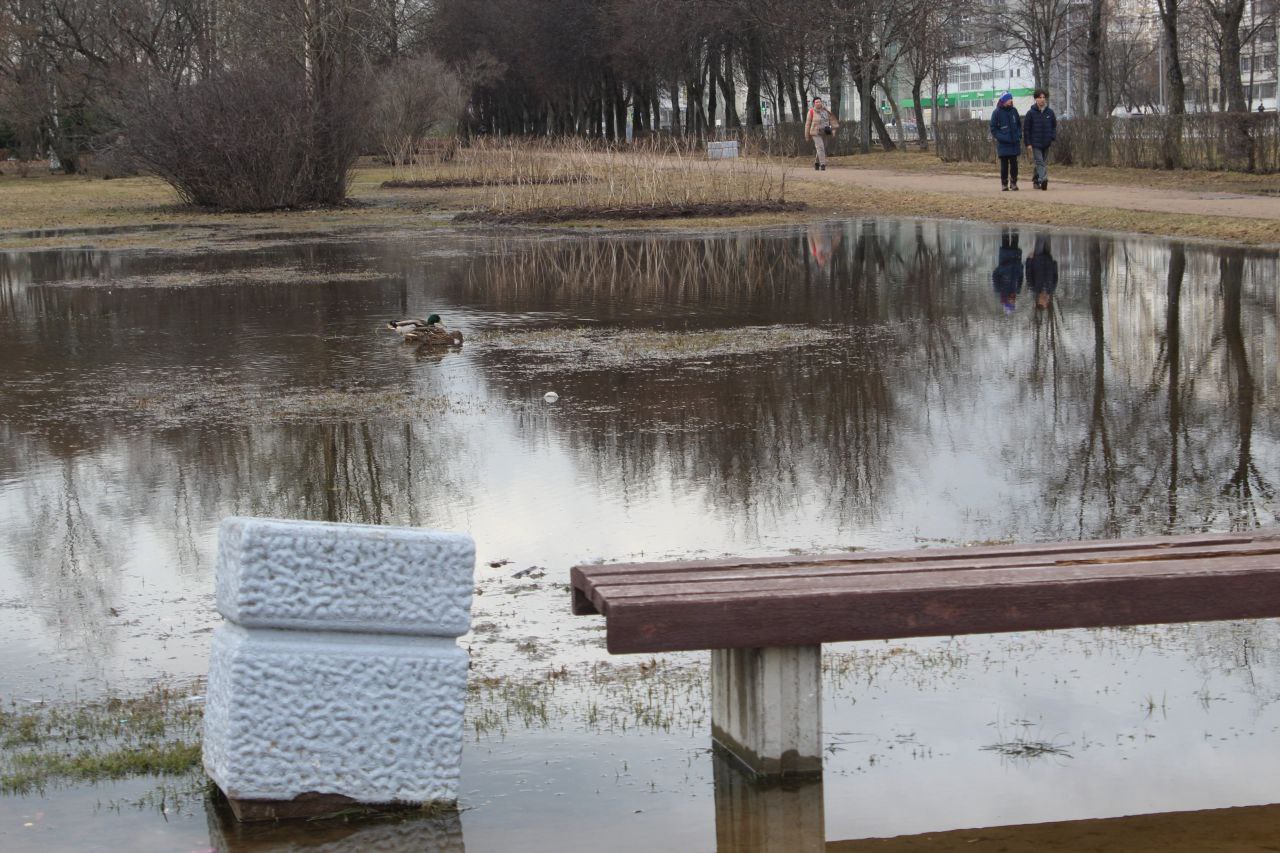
[
  {"x": 1037, "y": 28},
  {"x": 415, "y": 98},
  {"x": 1226, "y": 17}
]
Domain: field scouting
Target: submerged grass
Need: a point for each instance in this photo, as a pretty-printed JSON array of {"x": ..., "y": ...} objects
[
  {"x": 600, "y": 347},
  {"x": 156, "y": 734},
  {"x": 655, "y": 695}
]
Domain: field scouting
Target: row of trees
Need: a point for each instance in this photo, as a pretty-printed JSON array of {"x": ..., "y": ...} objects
[{"x": 293, "y": 89}]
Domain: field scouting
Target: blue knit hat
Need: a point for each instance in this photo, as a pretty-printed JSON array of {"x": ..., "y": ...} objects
[{"x": 1005, "y": 97}]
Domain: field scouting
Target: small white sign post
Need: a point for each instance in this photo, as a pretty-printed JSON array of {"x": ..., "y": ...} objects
[{"x": 336, "y": 678}]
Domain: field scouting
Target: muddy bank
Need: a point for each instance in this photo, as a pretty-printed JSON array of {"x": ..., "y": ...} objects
[
  {"x": 544, "y": 215},
  {"x": 458, "y": 183},
  {"x": 1251, "y": 828}
]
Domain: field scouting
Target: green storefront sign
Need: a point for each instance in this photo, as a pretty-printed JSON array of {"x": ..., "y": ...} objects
[{"x": 960, "y": 99}]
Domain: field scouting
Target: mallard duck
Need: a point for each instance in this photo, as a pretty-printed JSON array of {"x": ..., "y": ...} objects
[
  {"x": 409, "y": 325},
  {"x": 433, "y": 333}
]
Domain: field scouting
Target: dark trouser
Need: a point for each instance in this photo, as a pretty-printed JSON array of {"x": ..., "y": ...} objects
[{"x": 1008, "y": 170}]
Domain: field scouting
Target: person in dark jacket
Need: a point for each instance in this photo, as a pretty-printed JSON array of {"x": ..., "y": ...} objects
[
  {"x": 1042, "y": 272},
  {"x": 1006, "y": 278},
  {"x": 1006, "y": 130},
  {"x": 1039, "y": 129}
]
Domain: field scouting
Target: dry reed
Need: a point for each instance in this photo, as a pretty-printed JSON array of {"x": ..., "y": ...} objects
[{"x": 530, "y": 175}]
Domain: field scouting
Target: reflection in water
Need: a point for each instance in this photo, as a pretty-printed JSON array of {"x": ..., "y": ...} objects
[
  {"x": 783, "y": 817},
  {"x": 1128, "y": 404},
  {"x": 409, "y": 833},
  {"x": 1042, "y": 272},
  {"x": 1006, "y": 278},
  {"x": 1137, "y": 398},
  {"x": 824, "y": 237}
]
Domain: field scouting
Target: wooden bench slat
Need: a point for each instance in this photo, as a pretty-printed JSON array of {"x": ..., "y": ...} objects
[
  {"x": 764, "y": 578},
  {"x": 806, "y": 600},
  {"x": 807, "y": 618},
  {"x": 992, "y": 578},
  {"x": 927, "y": 554}
]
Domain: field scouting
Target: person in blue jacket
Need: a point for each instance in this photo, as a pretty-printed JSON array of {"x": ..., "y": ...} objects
[
  {"x": 1006, "y": 130},
  {"x": 1039, "y": 129}
]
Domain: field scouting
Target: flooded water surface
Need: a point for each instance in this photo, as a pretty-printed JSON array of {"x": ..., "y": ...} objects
[{"x": 854, "y": 384}]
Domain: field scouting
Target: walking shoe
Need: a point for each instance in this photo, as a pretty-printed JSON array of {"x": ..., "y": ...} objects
[
  {"x": 816, "y": 165},
  {"x": 1035, "y": 182},
  {"x": 1044, "y": 185},
  {"x": 1014, "y": 187},
  {"x": 824, "y": 167},
  {"x": 1004, "y": 188}
]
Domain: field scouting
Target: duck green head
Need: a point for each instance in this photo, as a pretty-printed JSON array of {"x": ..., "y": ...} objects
[{"x": 433, "y": 319}]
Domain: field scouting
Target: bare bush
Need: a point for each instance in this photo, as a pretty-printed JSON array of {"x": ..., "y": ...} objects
[
  {"x": 416, "y": 99},
  {"x": 253, "y": 139}
]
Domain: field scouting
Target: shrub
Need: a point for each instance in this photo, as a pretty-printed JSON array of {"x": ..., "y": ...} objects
[
  {"x": 415, "y": 99},
  {"x": 249, "y": 139}
]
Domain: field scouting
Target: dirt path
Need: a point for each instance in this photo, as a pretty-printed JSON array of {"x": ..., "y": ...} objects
[{"x": 1059, "y": 192}]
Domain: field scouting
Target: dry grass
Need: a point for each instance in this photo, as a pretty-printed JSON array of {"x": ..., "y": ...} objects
[
  {"x": 50, "y": 202},
  {"x": 524, "y": 176}
]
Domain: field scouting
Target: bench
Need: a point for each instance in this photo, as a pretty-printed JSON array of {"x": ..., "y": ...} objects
[{"x": 765, "y": 619}]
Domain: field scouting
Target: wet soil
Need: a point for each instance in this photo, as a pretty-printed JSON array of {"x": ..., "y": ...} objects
[
  {"x": 451, "y": 183},
  {"x": 1239, "y": 830}
]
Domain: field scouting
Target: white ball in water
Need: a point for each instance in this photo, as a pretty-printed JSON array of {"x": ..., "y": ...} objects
[{"x": 551, "y": 396}]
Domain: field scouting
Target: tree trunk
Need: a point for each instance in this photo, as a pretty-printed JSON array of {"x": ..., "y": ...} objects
[
  {"x": 1228, "y": 17},
  {"x": 922, "y": 133},
  {"x": 794, "y": 96},
  {"x": 754, "y": 70},
  {"x": 713, "y": 75},
  {"x": 1093, "y": 53},
  {"x": 886, "y": 141},
  {"x": 675, "y": 108},
  {"x": 728, "y": 90},
  {"x": 834, "y": 77}
]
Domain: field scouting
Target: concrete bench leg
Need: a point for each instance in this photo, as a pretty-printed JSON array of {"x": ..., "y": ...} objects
[{"x": 766, "y": 708}]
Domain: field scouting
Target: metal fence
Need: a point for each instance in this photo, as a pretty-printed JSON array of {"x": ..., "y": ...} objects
[{"x": 1238, "y": 142}]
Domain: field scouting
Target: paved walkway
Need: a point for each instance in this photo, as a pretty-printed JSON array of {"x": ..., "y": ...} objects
[{"x": 1063, "y": 192}]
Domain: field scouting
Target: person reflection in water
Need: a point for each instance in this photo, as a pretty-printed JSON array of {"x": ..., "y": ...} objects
[
  {"x": 823, "y": 240},
  {"x": 1006, "y": 278},
  {"x": 1042, "y": 272}
]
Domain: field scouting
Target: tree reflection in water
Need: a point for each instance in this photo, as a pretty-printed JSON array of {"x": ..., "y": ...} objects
[{"x": 1132, "y": 402}]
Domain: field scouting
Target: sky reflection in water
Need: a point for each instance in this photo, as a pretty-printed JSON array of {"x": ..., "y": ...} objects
[{"x": 1106, "y": 388}]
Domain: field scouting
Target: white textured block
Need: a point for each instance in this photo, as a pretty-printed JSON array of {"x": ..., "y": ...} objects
[
  {"x": 378, "y": 719},
  {"x": 344, "y": 577}
]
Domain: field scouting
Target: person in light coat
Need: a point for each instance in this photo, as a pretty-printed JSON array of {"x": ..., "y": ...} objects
[{"x": 820, "y": 126}]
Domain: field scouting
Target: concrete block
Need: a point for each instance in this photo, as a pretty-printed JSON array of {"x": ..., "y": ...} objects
[
  {"x": 724, "y": 150},
  {"x": 378, "y": 719},
  {"x": 344, "y": 577}
]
